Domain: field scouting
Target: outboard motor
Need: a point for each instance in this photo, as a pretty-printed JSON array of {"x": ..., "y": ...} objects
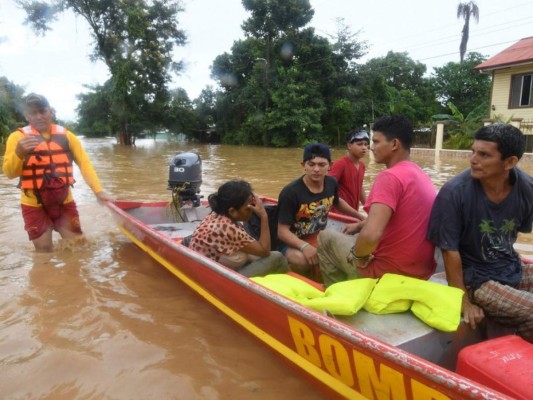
[{"x": 185, "y": 178}]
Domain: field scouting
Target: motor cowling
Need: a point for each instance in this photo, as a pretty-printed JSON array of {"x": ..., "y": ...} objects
[{"x": 185, "y": 176}]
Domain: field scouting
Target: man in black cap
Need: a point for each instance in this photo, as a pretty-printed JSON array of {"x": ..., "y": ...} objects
[
  {"x": 41, "y": 155},
  {"x": 303, "y": 208}
]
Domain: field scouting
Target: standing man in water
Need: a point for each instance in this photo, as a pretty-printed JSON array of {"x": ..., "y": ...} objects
[{"x": 41, "y": 155}]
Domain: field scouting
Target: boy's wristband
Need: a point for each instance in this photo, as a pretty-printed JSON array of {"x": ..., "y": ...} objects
[{"x": 303, "y": 246}]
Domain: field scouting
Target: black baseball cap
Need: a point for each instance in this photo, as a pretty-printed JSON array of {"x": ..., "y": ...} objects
[
  {"x": 313, "y": 150},
  {"x": 35, "y": 101},
  {"x": 354, "y": 135}
]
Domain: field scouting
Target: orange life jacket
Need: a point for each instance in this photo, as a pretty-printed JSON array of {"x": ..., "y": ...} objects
[{"x": 51, "y": 156}]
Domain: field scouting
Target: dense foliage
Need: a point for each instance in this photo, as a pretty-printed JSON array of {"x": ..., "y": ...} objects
[
  {"x": 282, "y": 85},
  {"x": 460, "y": 84},
  {"x": 11, "y": 115},
  {"x": 135, "y": 39}
]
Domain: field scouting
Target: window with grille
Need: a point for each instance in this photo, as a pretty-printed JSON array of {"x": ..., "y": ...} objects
[{"x": 522, "y": 90}]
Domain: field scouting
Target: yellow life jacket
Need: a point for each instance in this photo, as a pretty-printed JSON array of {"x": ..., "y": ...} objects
[
  {"x": 51, "y": 156},
  {"x": 437, "y": 305},
  {"x": 341, "y": 298}
]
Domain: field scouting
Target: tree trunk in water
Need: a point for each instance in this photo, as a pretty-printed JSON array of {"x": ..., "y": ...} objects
[{"x": 126, "y": 137}]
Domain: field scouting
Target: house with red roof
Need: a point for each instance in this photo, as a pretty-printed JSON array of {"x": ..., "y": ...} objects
[{"x": 512, "y": 83}]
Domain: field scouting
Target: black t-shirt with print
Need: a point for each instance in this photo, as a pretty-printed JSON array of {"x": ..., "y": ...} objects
[{"x": 304, "y": 211}]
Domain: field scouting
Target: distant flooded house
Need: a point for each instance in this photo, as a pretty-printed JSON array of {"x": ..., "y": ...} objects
[{"x": 512, "y": 84}]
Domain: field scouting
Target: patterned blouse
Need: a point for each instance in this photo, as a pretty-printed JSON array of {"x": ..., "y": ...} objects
[{"x": 218, "y": 235}]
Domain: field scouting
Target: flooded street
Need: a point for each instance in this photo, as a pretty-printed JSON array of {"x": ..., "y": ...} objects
[{"x": 102, "y": 320}]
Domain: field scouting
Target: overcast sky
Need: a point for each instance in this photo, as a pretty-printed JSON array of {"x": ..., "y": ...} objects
[{"x": 58, "y": 66}]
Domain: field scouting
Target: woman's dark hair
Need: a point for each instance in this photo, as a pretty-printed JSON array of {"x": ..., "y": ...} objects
[
  {"x": 509, "y": 139},
  {"x": 230, "y": 194}
]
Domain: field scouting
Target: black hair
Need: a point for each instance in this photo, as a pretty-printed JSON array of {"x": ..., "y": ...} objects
[
  {"x": 313, "y": 150},
  {"x": 509, "y": 139},
  {"x": 232, "y": 194},
  {"x": 395, "y": 127}
]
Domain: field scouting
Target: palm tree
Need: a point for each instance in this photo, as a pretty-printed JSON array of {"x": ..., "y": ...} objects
[{"x": 465, "y": 11}]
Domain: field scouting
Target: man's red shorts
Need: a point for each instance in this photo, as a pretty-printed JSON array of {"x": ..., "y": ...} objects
[{"x": 37, "y": 221}]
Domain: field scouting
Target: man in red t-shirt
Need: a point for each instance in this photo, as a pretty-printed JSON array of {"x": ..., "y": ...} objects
[
  {"x": 393, "y": 237},
  {"x": 350, "y": 170}
]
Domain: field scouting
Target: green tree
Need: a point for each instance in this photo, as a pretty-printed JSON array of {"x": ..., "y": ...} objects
[
  {"x": 347, "y": 46},
  {"x": 461, "y": 128},
  {"x": 11, "y": 114},
  {"x": 245, "y": 91},
  {"x": 271, "y": 21},
  {"x": 279, "y": 66},
  {"x": 466, "y": 11},
  {"x": 181, "y": 117},
  {"x": 296, "y": 110},
  {"x": 135, "y": 39},
  {"x": 338, "y": 89},
  {"x": 344, "y": 114},
  {"x": 205, "y": 109},
  {"x": 461, "y": 85},
  {"x": 94, "y": 112},
  {"x": 394, "y": 84}
]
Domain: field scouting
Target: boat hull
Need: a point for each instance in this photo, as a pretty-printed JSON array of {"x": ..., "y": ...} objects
[{"x": 341, "y": 361}]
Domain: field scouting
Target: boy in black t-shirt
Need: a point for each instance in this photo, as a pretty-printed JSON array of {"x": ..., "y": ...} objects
[{"x": 303, "y": 208}]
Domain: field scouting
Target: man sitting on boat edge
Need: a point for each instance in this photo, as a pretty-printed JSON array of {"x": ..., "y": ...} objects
[
  {"x": 393, "y": 237},
  {"x": 475, "y": 221}
]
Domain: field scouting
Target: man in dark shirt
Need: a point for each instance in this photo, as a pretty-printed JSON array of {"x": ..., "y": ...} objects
[{"x": 475, "y": 221}]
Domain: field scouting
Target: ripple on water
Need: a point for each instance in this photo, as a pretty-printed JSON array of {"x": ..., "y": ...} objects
[{"x": 18, "y": 342}]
